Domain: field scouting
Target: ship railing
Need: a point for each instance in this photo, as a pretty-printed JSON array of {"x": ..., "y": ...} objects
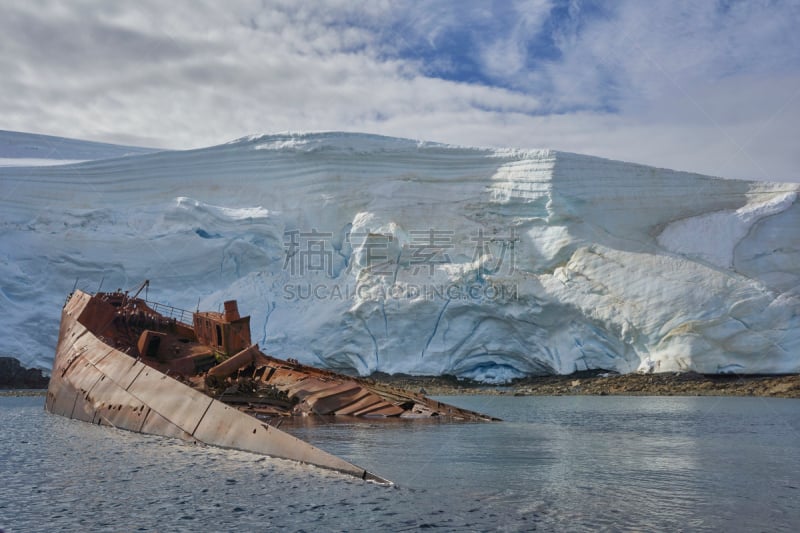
[{"x": 180, "y": 315}]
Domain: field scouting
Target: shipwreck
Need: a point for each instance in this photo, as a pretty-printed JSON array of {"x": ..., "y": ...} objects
[{"x": 130, "y": 363}]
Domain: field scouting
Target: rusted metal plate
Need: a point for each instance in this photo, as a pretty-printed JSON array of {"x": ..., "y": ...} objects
[
  {"x": 96, "y": 315},
  {"x": 307, "y": 387},
  {"x": 90, "y": 348},
  {"x": 84, "y": 376},
  {"x": 61, "y": 398},
  {"x": 368, "y": 400},
  {"x": 333, "y": 398},
  {"x": 67, "y": 338},
  {"x": 155, "y": 424},
  {"x": 235, "y": 362},
  {"x": 76, "y": 303},
  {"x": 173, "y": 400},
  {"x": 281, "y": 377},
  {"x": 123, "y": 370},
  {"x": 225, "y": 426},
  {"x": 381, "y": 411},
  {"x": 114, "y": 406}
]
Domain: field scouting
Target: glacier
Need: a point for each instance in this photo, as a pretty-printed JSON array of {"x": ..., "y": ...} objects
[
  {"x": 33, "y": 149},
  {"x": 365, "y": 253}
]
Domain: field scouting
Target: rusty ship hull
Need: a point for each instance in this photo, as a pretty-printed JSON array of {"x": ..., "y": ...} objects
[{"x": 122, "y": 362}]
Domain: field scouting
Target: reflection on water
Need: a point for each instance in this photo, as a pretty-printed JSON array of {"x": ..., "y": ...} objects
[{"x": 571, "y": 463}]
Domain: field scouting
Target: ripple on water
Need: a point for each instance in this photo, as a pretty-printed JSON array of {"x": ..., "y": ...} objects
[{"x": 543, "y": 469}]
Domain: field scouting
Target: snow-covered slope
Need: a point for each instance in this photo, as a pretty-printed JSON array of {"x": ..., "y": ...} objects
[
  {"x": 373, "y": 253},
  {"x": 32, "y": 149}
]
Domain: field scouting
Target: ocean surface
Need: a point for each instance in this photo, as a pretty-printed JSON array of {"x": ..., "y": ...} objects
[{"x": 553, "y": 464}]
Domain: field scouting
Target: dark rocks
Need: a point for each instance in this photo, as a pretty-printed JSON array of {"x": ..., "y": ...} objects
[
  {"x": 602, "y": 383},
  {"x": 14, "y": 376}
]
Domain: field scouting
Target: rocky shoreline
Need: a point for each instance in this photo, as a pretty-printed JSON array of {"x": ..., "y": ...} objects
[
  {"x": 601, "y": 383},
  {"x": 15, "y": 380}
]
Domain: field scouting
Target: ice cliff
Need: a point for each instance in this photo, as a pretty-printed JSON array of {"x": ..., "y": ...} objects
[{"x": 371, "y": 253}]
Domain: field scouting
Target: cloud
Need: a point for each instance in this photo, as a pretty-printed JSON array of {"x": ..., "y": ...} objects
[{"x": 702, "y": 86}]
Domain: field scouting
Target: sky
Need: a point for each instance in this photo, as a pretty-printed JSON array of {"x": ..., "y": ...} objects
[{"x": 702, "y": 85}]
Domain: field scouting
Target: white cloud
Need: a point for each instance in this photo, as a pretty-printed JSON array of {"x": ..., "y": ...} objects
[{"x": 682, "y": 84}]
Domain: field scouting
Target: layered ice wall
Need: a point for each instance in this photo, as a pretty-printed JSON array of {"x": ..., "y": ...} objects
[
  {"x": 32, "y": 149},
  {"x": 378, "y": 254}
]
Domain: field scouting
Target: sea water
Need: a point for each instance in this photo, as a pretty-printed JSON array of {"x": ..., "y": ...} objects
[{"x": 554, "y": 464}]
